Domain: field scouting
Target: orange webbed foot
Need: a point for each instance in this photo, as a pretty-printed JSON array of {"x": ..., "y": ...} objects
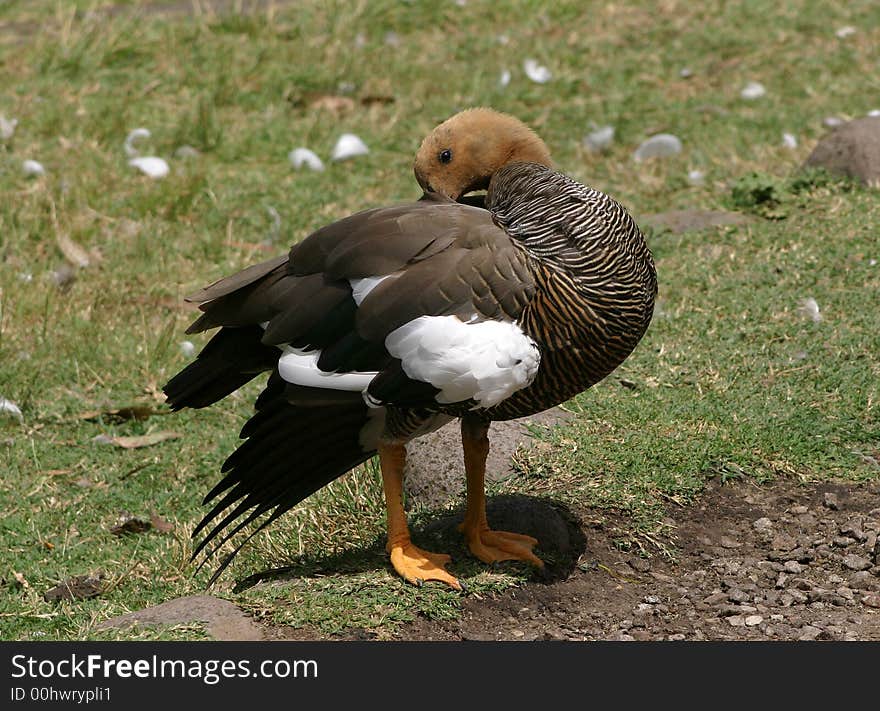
[
  {"x": 494, "y": 546},
  {"x": 417, "y": 566}
]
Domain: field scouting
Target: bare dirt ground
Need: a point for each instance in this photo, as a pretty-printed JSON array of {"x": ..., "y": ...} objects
[{"x": 779, "y": 562}]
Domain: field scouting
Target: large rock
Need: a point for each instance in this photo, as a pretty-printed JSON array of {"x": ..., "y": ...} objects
[
  {"x": 678, "y": 221},
  {"x": 223, "y": 620},
  {"x": 434, "y": 472},
  {"x": 852, "y": 150}
]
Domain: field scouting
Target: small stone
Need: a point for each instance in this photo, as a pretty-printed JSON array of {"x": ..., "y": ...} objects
[
  {"x": 727, "y": 542},
  {"x": 736, "y": 621},
  {"x": 842, "y": 541},
  {"x": 639, "y": 564},
  {"x": 846, "y": 593},
  {"x": 677, "y": 637},
  {"x": 652, "y": 599},
  {"x": 753, "y": 620},
  {"x": 786, "y": 599},
  {"x": 798, "y": 596},
  {"x": 793, "y": 567},
  {"x": 856, "y": 562},
  {"x": 831, "y": 501},
  {"x": 762, "y": 524},
  {"x": 737, "y": 595},
  {"x": 715, "y": 598},
  {"x": 303, "y": 157},
  {"x": 32, "y": 168},
  {"x": 859, "y": 579},
  {"x": 622, "y": 637},
  {"x": 600, "y": 139},
  {"x": 753, "y": 90},
  {"x": 798, "y": 510},
  {"x": 872, "y": 600},
  {"x": 809, "y": 633},
  {"x": 783, "y": 542},
  {"x": 641, "y": 635},
  {"x": 660, "y": 145}
]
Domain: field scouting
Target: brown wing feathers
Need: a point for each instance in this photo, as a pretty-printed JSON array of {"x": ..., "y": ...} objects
[{"x": 445, "y": 258}]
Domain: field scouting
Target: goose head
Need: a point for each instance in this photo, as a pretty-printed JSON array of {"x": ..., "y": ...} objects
[{"x": 464, "y": 152}]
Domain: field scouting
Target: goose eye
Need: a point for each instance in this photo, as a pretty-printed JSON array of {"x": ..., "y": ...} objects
[{"x": 445, "y": 156}]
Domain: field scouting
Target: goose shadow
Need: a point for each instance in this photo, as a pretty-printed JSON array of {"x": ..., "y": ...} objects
[{"x": 561, "y": 542}]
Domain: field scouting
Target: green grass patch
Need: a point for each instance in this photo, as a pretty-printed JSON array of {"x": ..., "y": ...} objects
[{"x": 733, "y": 379}]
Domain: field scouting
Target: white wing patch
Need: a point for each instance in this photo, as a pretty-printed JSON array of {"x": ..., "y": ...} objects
[
  {"x": 486, "y": 361},
  {"x": 301, "y": 368}
]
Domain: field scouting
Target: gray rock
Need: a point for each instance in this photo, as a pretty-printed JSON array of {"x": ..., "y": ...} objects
[
  {"x": 762, "y": 524},
  {"x": 224, "y": 620},
  {"x": 658, "y": 146},
  {"x": 753, "y": 620},
  {"x": 831, "y": 501},
  {"x": 679, "y": 221},
  {"x": 793, "y": 567},
  {"x": 852, "y": 150},
  {"x": 434, "y": 472},
  {"x": 809, "y": 633},
  {"x": 856, "y": 562}
]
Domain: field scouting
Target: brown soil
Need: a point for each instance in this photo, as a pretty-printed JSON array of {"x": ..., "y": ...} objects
[{"x": 779, "y": 562}]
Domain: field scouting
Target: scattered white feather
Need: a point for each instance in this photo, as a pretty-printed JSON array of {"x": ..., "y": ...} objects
[
  {"x": 504, "y": 79},
  {"x": 275, "y": 230},
  {"x": 486, "y": 361},
  {"x": 502, "y": 39},
  {"x": 300, "y": 157},
  {"x": 7, "y": 128},
  {"x": 150, "y": 165},
  {"x": 874, "y": 112},
  {"x": 872, "y": 262},
  {"x": 810, "y": 309},
  {"x": 538, "y": 73},
  {"x": 845, "y": 31},
  {"x": 32, "y": 168},
  {"x": 26, "y": 277},
  {"x": 392, "y": 39},
  {"x": 349, "y": 146},
  {"x": 789, "y": 140},
  {"x": 130, "y": 139},
  {"x": 658, "y": 146},
  {"x": 832, "y": 121},
  {"x": 685, "y": 72},
  {"x": 600, "y": 139},
  {"x": 187, "y": 349},
  {"x": 361, "y": 287},
  {"x": 696, "y": 177},
  {"x": 9, "y": 408},
  {"x": 753, "y": 90}
]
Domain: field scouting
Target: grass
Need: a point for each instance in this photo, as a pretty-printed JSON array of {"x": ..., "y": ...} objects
[{"x": 732, "y": 379}]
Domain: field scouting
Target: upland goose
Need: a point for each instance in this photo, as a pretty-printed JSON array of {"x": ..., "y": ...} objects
[{"x": 387, "y": 324}]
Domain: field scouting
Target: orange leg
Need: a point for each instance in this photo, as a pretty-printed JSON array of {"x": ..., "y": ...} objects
[
  {"x": 487, "y": 545},
  {"x": 411, "y": 562}
]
